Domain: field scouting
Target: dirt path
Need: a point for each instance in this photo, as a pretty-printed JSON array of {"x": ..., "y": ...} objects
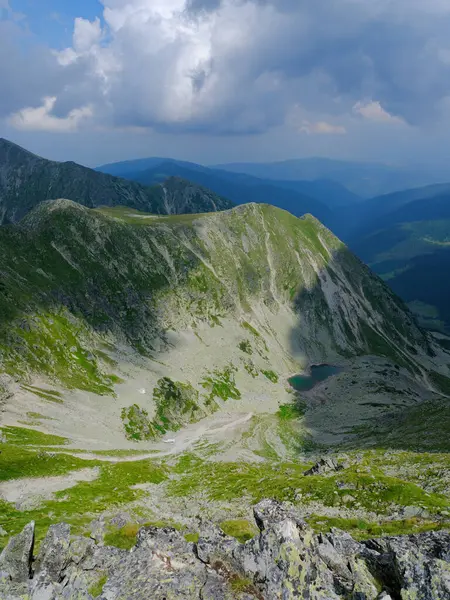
[{"x": 179, "y": 441}]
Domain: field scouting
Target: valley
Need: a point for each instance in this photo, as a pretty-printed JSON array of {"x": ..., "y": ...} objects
[
  {"x": 175, "y": 370},
  {"x": 146, "y": 377}
]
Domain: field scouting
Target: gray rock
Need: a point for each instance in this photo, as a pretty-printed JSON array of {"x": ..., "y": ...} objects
[
  {"x": 324, "y": 466},
  {"x": 286, "y": 561},
  {"x": 17, "y": 556},
  {"x": 409, "y": 512},
  {"x": 416, "y": 566},
  {"x": 54, "y": 555},
  {"x": 162, "y": 566}
]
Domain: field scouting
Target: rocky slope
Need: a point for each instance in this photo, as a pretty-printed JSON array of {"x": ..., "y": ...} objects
[
  {"x": 286, "y": 560},
  {"x": 73, "y": 278},
  {"x": 27, "y": 179},
  {"x": 145, "y": 363}
]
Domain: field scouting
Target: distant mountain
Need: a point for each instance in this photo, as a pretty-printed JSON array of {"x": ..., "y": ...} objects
[
  {"x": 409, "y": 247},
  {"x": 328, "y": 192},
  {"x": 377, "y": 213},
  {"x": 363, "y": 179},
  {"x": 27, "y": 179},
  {"x": 126, "y": 167},
  {"x": 297, "y": 197}
]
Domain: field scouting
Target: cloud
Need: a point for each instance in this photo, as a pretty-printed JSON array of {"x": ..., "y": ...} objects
[
  {"x": 373, "y": 111},
  {"x": 42, "y": 119},
  {"x": 239, "y": 66},
  {"x": 322, "y": 128}
]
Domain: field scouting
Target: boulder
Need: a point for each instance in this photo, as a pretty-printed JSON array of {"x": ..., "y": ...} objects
[
  {"x": 324, "y": 466},
  {"x": 17, "y": 556},
  {"x": 54, "y": 555}
]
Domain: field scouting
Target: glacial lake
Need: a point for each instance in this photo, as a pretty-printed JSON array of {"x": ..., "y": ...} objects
[{"x": 319, "y": 373}]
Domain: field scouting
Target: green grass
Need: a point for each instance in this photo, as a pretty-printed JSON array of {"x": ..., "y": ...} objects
[
  {"x": 372, "y": 490},
  {"x": 80, "y": 504},
  {"x": 228, "y": 481},
  {"x": 17, "y": 462},
  {"x": 31, "y": 437},
  {"x": 192, "y": 537},
  {"x": 122, "y": 453},
  {"x": 44, "y": 394},
  {"x": 248, "y": 327},
  {"x": 363, "y": 530},
  {"x": 124, "y": 538},
  {"x": 289, "y": 412},
  {"x": 96, "y": 589},
  {"x": 222, "y": 384},
  {"x": 241, "y": 530},
  {"x": 240, "y": 585},
  {"x": 271, "y": 376},
  {"x": 38, "y": 416}
]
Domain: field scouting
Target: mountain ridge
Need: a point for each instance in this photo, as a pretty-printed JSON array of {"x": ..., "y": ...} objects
[{"x": 27, "y": 179}]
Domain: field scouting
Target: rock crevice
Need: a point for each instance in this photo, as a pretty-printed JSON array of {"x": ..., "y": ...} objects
[{"x": 287, "y": 560}]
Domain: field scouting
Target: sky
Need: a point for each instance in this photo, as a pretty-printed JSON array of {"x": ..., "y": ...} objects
[{"x": 214, "y": 81}]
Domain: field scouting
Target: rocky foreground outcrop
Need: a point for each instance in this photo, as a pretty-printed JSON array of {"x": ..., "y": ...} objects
[{"x": 287, "y": 560}]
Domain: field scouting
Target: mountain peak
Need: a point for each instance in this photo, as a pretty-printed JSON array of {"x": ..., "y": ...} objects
[{"x": 28, "y": 180}]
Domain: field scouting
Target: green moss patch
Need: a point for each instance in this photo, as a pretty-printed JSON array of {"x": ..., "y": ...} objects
[
  {"x": 31, "y": 437},
  {"x": 124, "y": 538},
  {"x": 222, "y": 384},
  {"x": 271, "y": 376},
  {"x": 242, "y": 530},
  {"x": 17, "y": 462},
  {"x": 96, "y": 589},
  {"x": 363, "y": 530}
]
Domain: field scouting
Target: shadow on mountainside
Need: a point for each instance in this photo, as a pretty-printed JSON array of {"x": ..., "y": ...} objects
[
  {"x": 69, "y": 274},
  {"x": 76, "y": 282},
  {"x": 390, "y": 395}
]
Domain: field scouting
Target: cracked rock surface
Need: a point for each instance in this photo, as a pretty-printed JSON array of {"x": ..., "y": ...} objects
[{"x": 286, "y": 561}]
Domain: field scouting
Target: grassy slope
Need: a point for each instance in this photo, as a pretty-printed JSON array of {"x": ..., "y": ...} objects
[{"x": 72, "y": 277}]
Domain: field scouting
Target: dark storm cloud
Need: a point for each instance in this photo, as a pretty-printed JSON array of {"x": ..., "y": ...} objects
[{"x": 236, "y": 66}]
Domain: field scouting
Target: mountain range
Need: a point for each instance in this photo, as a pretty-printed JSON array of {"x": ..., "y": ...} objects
[
  {"x": 405, "y": 238},
  {"x": 366, "y": 180},
  {"x": 27, "y": 179},
  {"x": 169, "y": 359},
  {"x": 401, "y": 235}
]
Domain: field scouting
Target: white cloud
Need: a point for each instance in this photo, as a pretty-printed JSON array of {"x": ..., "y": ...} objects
[
  {"x": 322, "y": 128},
  {"x": 86, "y": 34},
  {"x": 239, "y": 66},
  {"x": 41, "y": 119},
  {"x": 373, "y": 111}
]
